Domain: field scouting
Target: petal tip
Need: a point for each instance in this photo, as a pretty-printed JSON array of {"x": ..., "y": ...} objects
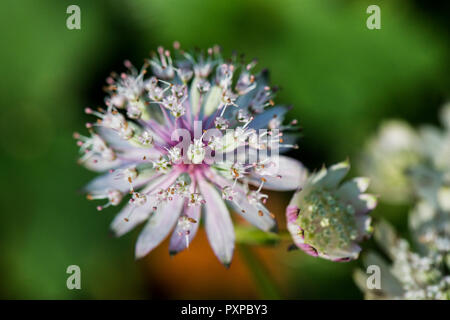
[
  {"x": 370, "y": 199},
  {"x": 341, "y": 165},
  {"x": 362, "y": 183},
  {"x": 172, "y": 253}
]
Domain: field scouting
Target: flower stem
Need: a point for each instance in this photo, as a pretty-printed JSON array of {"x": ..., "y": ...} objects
[{"x": 265, "y": 283}]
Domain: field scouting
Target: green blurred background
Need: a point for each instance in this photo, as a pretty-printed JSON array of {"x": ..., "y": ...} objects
[{"x": 341, "y": 78}]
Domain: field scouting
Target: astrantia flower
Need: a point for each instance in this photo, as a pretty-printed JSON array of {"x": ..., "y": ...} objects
[
  {"x": 414, "y": 276},
  {"x": 186, "y": 142},
  {"x": 402, "y": 162},
  {"x": 388, "y": 156},
  {"x": 431, "y": 177},
  {"x": 430, "y": 224},
  {"x": 436, "y": 147},
  {"x": 436, "y": 141},
  {"x": 328, "y": 219}
]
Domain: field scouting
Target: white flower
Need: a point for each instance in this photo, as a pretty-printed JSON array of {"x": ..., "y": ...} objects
[
  {"x": 411, "y": 276},
  {"x": 388, "y": 156}
]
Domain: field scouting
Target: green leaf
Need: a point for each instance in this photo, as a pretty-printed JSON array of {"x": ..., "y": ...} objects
[{"x": 254, "y": 236}]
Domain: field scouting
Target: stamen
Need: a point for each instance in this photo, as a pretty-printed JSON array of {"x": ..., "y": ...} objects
[{"x": 196, "y": 151}]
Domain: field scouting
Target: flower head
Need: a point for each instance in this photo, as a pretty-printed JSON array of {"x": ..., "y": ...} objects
[
  {"x": 388, "y": 156},
  {"x": 430, "y": 225},
  {"x": 412, "y": 275},
  {"x": 403, "y": 162},
  {"x": 186, "y": 142},
  {"x": 328, "y": 219}
]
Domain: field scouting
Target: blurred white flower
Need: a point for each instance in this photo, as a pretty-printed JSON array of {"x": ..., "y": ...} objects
[
  {"x": 414, "y": 276},
  {"x": 388, "y": 156}
]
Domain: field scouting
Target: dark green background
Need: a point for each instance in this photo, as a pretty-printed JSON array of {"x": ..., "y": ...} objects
[{"x": 341, "y": 78}]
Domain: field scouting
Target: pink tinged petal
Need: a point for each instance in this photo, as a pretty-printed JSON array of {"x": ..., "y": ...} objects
[
  {"x": 115, "y": 180},
  {"x": 158, "y": 226},
  {"x": 291, "y": 175},
  {"x": 257, "y": 214},
  {"x": 115, "y": 141},
  {"x": 131, "y": 157},
  {"x": 138, "y": 155},
  {"x": 112, "y": 139},
  {"x": 180, "y": 240},
  {"x": 308, "y": 249},
  {"x": 297, "y": 235},
  {"x": 261, "y": 120},
  {"x": 218, "y": 225},
  {"x": 295, "y": 231},
  {"x": 292, "y": 214},
  {"x": 131, "y": 215},
  {"x": 98, "y": 164},
  {"x": 161, "y": 133},
  {"x": 125, "y": 150},
  {"x": 331, "y": 177}
]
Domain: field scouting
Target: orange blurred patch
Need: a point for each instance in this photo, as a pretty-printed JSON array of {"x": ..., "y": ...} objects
[{"x": 196, "y": 273}]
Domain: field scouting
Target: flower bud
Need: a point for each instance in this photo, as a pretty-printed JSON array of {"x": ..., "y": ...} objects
[{"x": 327, "y": 219}]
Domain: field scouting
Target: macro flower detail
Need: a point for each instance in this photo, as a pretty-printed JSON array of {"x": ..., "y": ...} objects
[
  {"x": 436, "y": 142},
  {"x": 412, "y": 275},
  {"x": 199, "y": 135},
  {"x": 403, "y": 162},
  {"x": 328, "y": 219},
  {"x": 386, "y": 158},
  {"x": 431, "y": 224},
  {"x": 418, "y": 270}
]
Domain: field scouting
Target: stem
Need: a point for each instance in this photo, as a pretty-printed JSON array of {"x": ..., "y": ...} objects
[{"x": 265, "y": 283}]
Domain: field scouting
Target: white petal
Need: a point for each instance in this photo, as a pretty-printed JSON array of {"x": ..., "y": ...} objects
[
  {"x": 115, "y": 180},
  {"x": 138, "y": 214},
  {"x": 195, "y": 96},
  {"x": 218, "y": 225},
  {"x": 257, "y": 215},
  {"x": 158, "y": 226},
  {"x": 249, "y": 212},
  {"x": 98, "y": 164},
  {"x": 261, "y": 120},
  {"x": 113, "y": 139},
  {"x": 179, "y": 240},
  {"x": 352, "y": 252},
  {"x": 334, "y": 175},
  {"x": 365, "y": 203},
  {"x": 352, "y": 188},
  {"x": 213, "y": 100},
  {"x": 289, "y": 175},
  {"x": 125, "y": 149}
]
